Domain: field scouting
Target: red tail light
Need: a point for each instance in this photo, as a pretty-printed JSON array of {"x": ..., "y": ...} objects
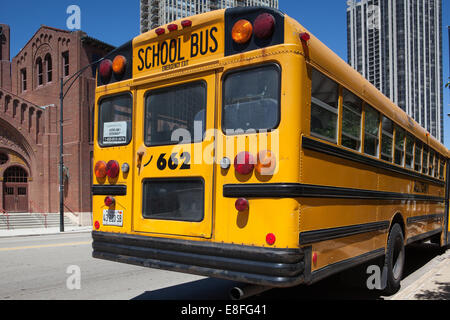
[
  {"x": 160, "y": 31},
  {"x": 112, "y": 169},
  {"x": 172, "y": 27},
  {"x": 305, "y": 36},
  {"x": 105, "y": 69},
  {"x": 100, "y": 169},
  {"x": 109, "y": 201},
  {"x": 244, "y": 163},
  {"x": 186, "y": 23},
  {"x": 241, "y": 204},
  {"x": 264, "y": 26},
  {"x": 97, "y": 225}
]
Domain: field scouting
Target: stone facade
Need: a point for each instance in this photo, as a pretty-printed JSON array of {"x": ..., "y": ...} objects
[{"x": 29, "y": 119}]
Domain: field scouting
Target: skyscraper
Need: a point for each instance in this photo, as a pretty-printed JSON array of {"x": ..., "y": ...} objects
[
  {"x": 397, "y": 46},
  {"x": 159, "y": 12}
]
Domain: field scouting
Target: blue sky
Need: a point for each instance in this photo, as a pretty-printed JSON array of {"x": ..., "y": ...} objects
[{"x": 116, "y": 22}]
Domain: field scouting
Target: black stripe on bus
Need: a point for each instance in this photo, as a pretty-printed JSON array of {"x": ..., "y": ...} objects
[
  {"x": 424, "y": 218},
  {"x": 314, "y": 236},
  {"x": 335, "y": 151},
  {"x": 297, "y": 190},
  {"x": 116, "y": 190}
]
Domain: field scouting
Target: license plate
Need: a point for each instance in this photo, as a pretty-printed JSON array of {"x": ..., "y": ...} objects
[{"x": 113, "y": 218}]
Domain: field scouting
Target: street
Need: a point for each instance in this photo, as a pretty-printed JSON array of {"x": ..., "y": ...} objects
[{"x": 60, "y": 267}]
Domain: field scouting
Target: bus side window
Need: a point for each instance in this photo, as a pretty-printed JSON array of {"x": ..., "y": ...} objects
[
  {"x": 431, "y": 163},
  {"x": 387, "y": 135},
  {"x": 324, "y": 107},
  {"x": 442, "y": 169},
  {"x": 418, "y": 156},
  {"x": 399, "y": 153},
  {"x": 409, "y": 156},
  {"x": 371, "y": 129},
  {"x": 425, "y": 160},
  {"x": 436, "y": 165},
  {"x": 351, "y": 121}
]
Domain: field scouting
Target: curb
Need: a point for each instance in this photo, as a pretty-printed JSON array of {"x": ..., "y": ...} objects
[
  {"x": 42, "y": 231},
  {"x": 409, "y": 292}
]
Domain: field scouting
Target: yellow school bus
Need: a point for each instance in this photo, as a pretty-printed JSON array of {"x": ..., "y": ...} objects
[{"x": 234, "y": 144}]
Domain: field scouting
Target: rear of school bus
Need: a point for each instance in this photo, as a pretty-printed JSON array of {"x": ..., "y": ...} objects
[{"x": 197, "y": 128}]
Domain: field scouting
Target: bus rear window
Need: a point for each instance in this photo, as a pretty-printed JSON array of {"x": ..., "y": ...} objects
[
  {"x": 251, "y": 100},
  {"x": 115, "y": 120},
  {"x": 177, "y": 107}
]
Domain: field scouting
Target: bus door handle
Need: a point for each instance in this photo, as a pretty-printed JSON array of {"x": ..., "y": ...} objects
[{"x": 140, "y": 155}]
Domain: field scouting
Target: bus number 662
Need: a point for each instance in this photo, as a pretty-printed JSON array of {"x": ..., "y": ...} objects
[{"x": 172, "y": 162}]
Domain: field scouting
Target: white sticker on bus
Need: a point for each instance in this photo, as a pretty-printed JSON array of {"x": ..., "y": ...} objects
[{"x": 115, "y": 132}]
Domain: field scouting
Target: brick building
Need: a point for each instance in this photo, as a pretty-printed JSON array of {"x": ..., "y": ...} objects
[{"x": 29, "y": 121}]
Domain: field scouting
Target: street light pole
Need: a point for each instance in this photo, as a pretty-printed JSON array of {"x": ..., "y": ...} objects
[{"x": 62, "y": 95}]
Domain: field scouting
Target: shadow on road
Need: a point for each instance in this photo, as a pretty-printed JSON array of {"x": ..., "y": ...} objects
[
  {"x": 348, "y": 285},
  {"x": 205, "y": 289}
]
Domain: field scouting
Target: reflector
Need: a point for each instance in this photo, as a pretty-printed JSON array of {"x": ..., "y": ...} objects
[
  {"x": 242, "y": 31},
  {"x": 264, "y": 26},
  {"x": 109, "y": 201},
  {"x": 270, "y": 239}
]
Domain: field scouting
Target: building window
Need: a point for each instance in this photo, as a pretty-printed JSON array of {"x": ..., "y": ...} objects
[
  {"x": 39, "y": 72},
  {"x": 3, "y": 158},
  {"x": 49, "y": 67},
  {"x": 23, "y": 79},
  {"x": 65, "y": 63}
]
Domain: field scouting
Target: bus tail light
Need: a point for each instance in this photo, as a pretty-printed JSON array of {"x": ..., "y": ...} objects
[
  {"x": 100, "y": 169},
  {"x": 105, "y": 69},
  {"x": 112, "y": 169},
  {"x": 172, "y": 27},
  {"x": 270, "y": 239},
  {"x": 241, "y": 205},
  {"x": 266, "y": 163},
  {"x": 186, "y": 23},
  {"x": 160, "y": 31},
  {"x": 242, "y": 31},
  {"x": 109, "y": 201},
  {"x": 244, "y": 163},
  {"x": 264, "y": 26},
  {"x": 304, "y": 36},
  {"x": 119, "y": 64}
]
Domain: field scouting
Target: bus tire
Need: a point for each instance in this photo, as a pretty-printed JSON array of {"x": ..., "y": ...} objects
[{"x": 394, "y": 261}]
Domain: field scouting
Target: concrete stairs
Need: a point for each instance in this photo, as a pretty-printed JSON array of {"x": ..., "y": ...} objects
[{"x": 15, "y": 221}]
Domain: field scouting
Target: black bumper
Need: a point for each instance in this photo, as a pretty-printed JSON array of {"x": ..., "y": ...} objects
[{"x": 263, "y": 266}]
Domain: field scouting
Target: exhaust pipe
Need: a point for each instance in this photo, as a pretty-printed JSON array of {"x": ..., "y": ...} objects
[{"x": 243, "y": 292}]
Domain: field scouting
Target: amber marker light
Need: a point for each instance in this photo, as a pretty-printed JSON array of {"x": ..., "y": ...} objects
[
  {"x": 119, "y": 64},
  {"x": 266, "y": 163},
  {"x": 100, "y": 169},
  {"x": 242, "y": 31}
]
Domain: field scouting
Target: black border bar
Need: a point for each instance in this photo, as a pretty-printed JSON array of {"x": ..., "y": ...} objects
[
  {"x": 314, "y": 236},
  {"x": 115, "y": 190},
  {"x": 298, "y": 190},
  {"x": 427, "y": 217}
]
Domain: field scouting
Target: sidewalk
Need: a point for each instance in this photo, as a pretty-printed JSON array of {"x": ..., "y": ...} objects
[
  {"x": 433, "y": 285},
  {"x": 41, "y": 231}
]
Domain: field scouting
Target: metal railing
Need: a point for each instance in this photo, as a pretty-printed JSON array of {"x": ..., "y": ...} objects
[
  {"x": 5, "y": 214},
  {"x": 44, "y": 215}
]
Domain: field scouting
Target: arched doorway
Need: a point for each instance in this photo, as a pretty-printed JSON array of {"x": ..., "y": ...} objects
[{"x": 15, "y": 189}]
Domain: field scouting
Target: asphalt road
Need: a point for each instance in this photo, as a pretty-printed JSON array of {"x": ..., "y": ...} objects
[{"x": 60, "y": 267}]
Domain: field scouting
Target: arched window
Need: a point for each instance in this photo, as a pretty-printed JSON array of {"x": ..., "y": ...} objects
[
  {"x": 15, "y": 174},
  {"x": 39, "y": 71},
  {"x": 3, "y": 158},
  {"x": 49, "y": 67}
]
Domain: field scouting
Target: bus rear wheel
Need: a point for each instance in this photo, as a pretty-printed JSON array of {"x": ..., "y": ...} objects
[{"x": 394, "y": 260}]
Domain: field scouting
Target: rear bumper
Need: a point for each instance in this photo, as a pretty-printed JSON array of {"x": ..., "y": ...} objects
[{"x": 256, "y": 265}]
